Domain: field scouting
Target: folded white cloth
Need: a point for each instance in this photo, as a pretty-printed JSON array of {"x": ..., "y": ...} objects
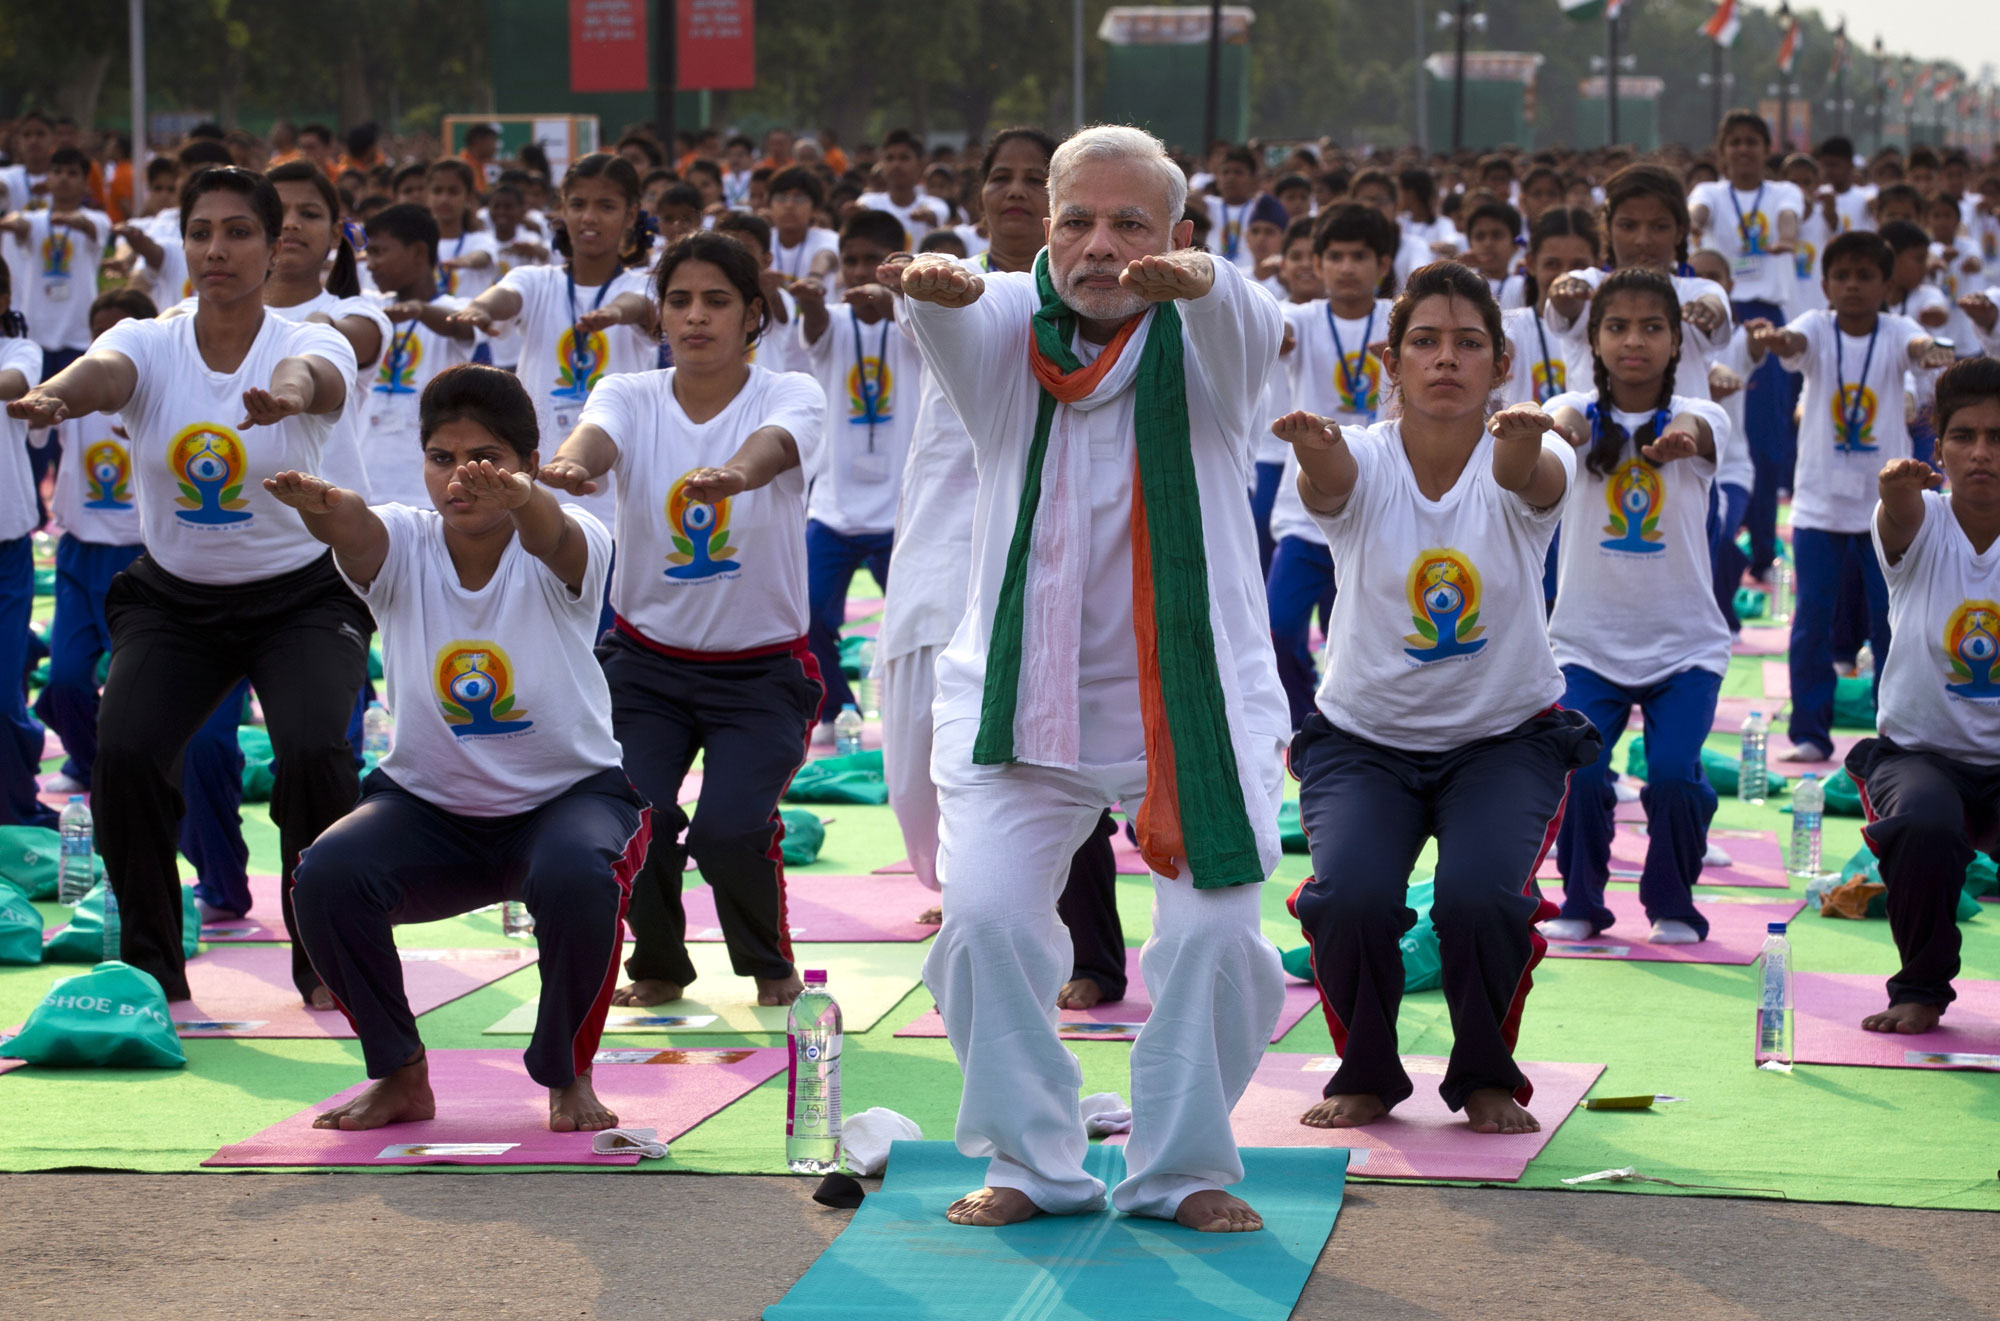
[
  {"x": 614, "y": 1141},
  {"x": 865, "y": 1138},
  {"x": 1105, "y": 1113}
]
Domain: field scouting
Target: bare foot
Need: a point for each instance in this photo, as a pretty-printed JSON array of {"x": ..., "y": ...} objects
[
  {"x": 647, "y": 991},
  {"x": 1908, "y": 1019},
  {"x": 1213, "y": 1211},
  {"x": 780, "y": 992},
  {"x": 1347, "y": 1111},
  {"x": 1082, "y": 993},
  {"x": 931, "y": 917},
  {"x": 1804, "y": 754},
  {"x": 1491, "y": 1110},
  {"x": 321, "y": 999},
  {"x": 992, "y": 1206},
  {"x": 575, "y": 1108},
  {"x": 404, "y": 1097}
]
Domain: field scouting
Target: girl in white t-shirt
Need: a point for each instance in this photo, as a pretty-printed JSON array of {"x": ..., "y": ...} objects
[
  {"x": 504, "y": 782},
  {"x": 1930, "y": 781},
  {"x": 1439, "y": 714},
  {"x": 1632, "y": 624},
  {"x": 20, "y": 736},
  {"x": 708, "y": 652},
  {"x": 230, "y": 586},
  {"x": 468, "y": 257}
]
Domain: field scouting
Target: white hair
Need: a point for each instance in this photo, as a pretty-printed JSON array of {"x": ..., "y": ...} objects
[{"x": 1108, "y": 142}]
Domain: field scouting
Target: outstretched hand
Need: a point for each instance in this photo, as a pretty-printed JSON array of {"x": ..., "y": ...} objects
[
  {"x": 1912, "y": 475},
  {"x": 482, "y": 483},
  {"x": 475, "y": 316},
  {"x": 263, "y": 408},
  {"x": 711, "y": 486},
  {"x": 1765, "y": 335},
  {"x": 1981, "y": 309},
  {"x": 1520, "y": 422},
  {"x": 933, "y": 278},
  {"x": 1675, "y": 443},
  {"x": 599, "y": 318},
  {"x": 1189, "y": 273},
  {"x": 304, "y": 492},
  {"x": 1307, "y": 431},
  {"x": 38, "y": 408},
  {"x": 567, "y": 475},
  {"x": 1705, "y": 315}
]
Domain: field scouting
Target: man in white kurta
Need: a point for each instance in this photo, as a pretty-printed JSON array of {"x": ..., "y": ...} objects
[{"x": 1008, "y": 830}]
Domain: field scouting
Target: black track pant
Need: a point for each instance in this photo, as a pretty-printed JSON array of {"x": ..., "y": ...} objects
[
  {"x": 177, "y": 650},
  {"x": 751, "y": 719},
  {"x": 397, "y": 859},
  {"x": 1494, "y": 806},
  {"x": 1926, "y": 814},
  {"x": 1088, "y": 906}
]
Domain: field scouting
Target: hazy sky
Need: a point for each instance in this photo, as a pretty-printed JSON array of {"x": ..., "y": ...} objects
[{"x": 1964, "y": 31}]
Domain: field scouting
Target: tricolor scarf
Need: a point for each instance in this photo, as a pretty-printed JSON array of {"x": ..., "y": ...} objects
[{"x": 1194, "y": 809}]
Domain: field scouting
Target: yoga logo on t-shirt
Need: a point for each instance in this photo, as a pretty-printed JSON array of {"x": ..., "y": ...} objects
[
  {"x": 1357, "y": 380},
  {"x": 55, "y": 256},
  {"x": 475, "y": 687},
  {"x": 398, "y": 372},
  {"x": 1550, "y": 379},
  {"x": 1802, "y": 258},
  {"x": 1444, "y": 596},
  {"x": 1756, "y": 233},
  {"x": 206, "y": 460},
  {"x": 579, "y": 362},
  {"x": 869, "y": 384},
  {"x": 107, "y": 471},
  {"x": 1854, "y": 420},
  {"x": 700, "y": 532},
  {"x": 1635, "y": 495},
  {"x": 1971, "y": 648}
]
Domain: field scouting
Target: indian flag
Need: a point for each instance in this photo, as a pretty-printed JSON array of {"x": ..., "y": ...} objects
[
  {"x": 1723, "y": 25},
  {"x": 1585, "y": 10},
  {"x": 1788, "y": 49}
]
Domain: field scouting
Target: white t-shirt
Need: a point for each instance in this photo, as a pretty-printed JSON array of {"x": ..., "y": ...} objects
[
  {"x": 1742, "y": 227},
  {"x": 1691, "y": 376},
  {"x": 798, "y": 262},
  {"x": 700, "y": 577},
  {"x": 1345, "y": 382},
  {"x": 468, "y": 282},
  {"x": 1228, "y": 234},
  {"x": 18, "y": 514},
  {"x": 1833, "y": 488},
  {"x": 559, "y": 379},
  {"x": 391, "y": 449},
  {"x": 342, "y": 464},
  {"x": 199, "y": 477},
  {"x": 500, "y": 705},
  {"x": 861, "y": 466},
  {"x": 1411, "y": 253},
  {"x": 1733, "y": 464},
  {"x": 93, "y": 500},
  {"x": 1852, "y": 209},
  {"x": 1437, "y": 636},
  {"x": 1430, "y": 232},
  {"x": 1941, "y": 683},
  {"x": 1545, "y": 363},
  {"x": 912, "y": 233},
  {"x": 1635, "y": 596},
  {"x": 1810, "y": 291},
  {"x": 60, "y": 268}
]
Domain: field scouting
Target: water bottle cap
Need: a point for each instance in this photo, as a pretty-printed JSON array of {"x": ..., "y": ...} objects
[
  {"x": 1756, "y": 715},
  {"x": 1775, "y": 928},
  {"x": 815, "y": 976},
  {"x": 1809, "y": 775},
  {"x": 76, "y": 798},
  {"x": 849, "y": 706}
]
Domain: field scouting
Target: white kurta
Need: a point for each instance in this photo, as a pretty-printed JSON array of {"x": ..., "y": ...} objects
[{"x": 1008, "y": 832}]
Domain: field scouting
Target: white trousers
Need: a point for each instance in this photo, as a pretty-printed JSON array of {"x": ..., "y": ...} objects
[
  {"x": 909, "y": 683},
  {"x": 1008, "y": 833}
]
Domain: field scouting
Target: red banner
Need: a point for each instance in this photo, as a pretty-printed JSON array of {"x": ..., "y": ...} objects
[
  {"x": 717, "y": 45},
  {"x": 607, "y": 46}
]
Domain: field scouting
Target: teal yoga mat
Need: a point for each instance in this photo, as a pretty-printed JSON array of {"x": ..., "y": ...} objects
[{"x": 901, "y": 1260}]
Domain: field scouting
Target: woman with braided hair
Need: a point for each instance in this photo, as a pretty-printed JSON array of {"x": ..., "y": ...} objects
[{"x": 1630, "y": 624}]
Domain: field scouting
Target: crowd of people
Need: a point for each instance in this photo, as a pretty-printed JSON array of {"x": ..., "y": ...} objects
[{"x": 597, "y": 454}]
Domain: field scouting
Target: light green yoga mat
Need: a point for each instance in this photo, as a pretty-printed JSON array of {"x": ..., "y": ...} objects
[
  {"x": 901, "y": 1260},
  {"x": 867, "y": 980}
]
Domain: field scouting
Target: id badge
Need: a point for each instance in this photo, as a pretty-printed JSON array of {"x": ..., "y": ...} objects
[
  {"x": 567, "y": 413},
  {"x": 1742, "y": 266},
  {"x": 869, "y": 466},
  {"x": 56, "y": 291}
]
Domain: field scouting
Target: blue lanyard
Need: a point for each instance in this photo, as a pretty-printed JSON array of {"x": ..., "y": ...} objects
[
  {"x": 1548, "y": 364},
  {"x": 871, "y": 392},
  {"x": 1850, "y": 407},
  {"x": 1230, "y": 241},
  {"x": 450, "y": 280},
  {"x": 399, "y": 349},
  {"x": 1595, "y": 413},
  {"x": 1355, "y": 381},
  {"x": 1750, "y": 247},
  {"x": 569, "y": 274}
]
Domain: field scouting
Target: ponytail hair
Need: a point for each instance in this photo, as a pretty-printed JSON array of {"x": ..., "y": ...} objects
[
  {"x": 637, "y": 242},
  {"x": 344, "y": 281},
  {"x": 1655, "y": 181},
  {"x": 1557, "y": 222},
  {"x": 12, "y": 324},
  {"x": 1607, "y": 442}
]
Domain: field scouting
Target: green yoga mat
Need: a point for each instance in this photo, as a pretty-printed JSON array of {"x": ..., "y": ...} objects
[
  {"x": 901, "y": 1260},
  {"x": 867, "y": 980}
]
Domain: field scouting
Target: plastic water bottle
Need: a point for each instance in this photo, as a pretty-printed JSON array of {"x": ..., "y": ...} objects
[
  {"x": 864, "y": 688},
  {"x": 812, "y": 1089},
  {"x": 516, "y": 922},
  {"x": 847, "y": 732},
  {"x": 1781, "y": 591},
  {"x": 1864, "y": 661},
  {"x": 78, "y": 870},
  {"x": 1774, "y": 1001},
  {"x": 1808, "y": 803},
  {"x": 114, "y": 930},
  {"x": 378, "y": 732},
  {"x": 1819, "y": 887},
  {"x": 1753, "y": 779}
]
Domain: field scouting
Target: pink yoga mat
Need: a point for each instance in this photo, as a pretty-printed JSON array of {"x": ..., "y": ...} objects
[
  {"x": 264, "y": 921},
  {"x": 1122, "y": 1021},
  {"x": 8, "y": 1066},
  {"x": 1735, "y": 931},
  {"x": 1830, "y": 1006},
  {"x": 866, "y": 628},
  {"x": 1791, "y": 770},
  {"x": 1763, "y": 641},
  {"x": 864, "y": 607},
  {"x": 1731, "y": 712},
  {"x": 247, "y": 991},
  {"x": 486, "y": 1097},
  {"x": 1778, "y": 680},
  {"x": 1127, "y": 858},
  {"x": 1755, "y": 857},
  {"x": 838, "y": 909},
  {"x": 1420, "y": 1139}
]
